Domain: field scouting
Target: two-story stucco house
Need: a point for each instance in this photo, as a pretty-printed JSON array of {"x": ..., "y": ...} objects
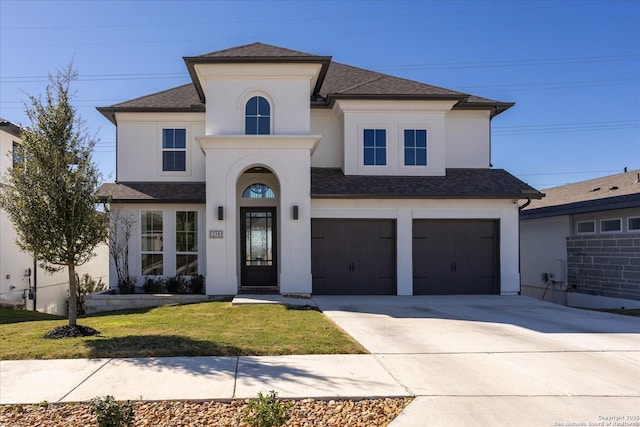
[{"x": 282, "y": 170}]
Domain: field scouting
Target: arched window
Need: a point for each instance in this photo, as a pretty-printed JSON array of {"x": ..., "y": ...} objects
[
  {"x": 258, "y": 191},
  {"x": 257, "y": 119}
]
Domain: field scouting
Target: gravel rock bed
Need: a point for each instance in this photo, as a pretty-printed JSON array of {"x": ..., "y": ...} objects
[{"x": 307, "y": 412}]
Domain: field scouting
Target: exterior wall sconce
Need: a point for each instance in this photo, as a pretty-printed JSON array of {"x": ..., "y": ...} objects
[
  {"x": 220, "y": 213},
  {"x": 294, "y": 212}
]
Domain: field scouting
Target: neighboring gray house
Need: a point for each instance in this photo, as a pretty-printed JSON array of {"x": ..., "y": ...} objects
[
  {"x": 285, "y": 171},
  {"x": 586, "y": 238}
]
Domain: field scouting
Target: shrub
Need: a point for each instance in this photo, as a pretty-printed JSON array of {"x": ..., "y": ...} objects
[
  {"x": 267, "y": 411},
  {"x": 111, "y": 413},
  {"x": 127, "y": 285},
  {"x": 176, "y": 285},
  {"x": 196, "y": 284},
  {"x": 153, "y": 286},
  {"x": 85, "y": 287}
]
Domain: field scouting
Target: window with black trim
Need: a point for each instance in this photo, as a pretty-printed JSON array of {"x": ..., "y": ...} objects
[
  {"x": 375, "y": 147},
  {"x": 151, "y": 243},
  {"x": 415, "y": 147},
  {"x": 174, "y": 150},
  {"x": 186, "y": 242},
  {"x": 257, "y": 116}
]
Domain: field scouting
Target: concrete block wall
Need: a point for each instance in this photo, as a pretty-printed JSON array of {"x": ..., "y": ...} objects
[{"x": 605, "y": 264}]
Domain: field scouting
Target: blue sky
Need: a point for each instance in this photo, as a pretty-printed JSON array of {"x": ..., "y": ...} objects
[{"x": 571, "y": 67}]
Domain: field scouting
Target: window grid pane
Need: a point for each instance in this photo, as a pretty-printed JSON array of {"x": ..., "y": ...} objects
[
  {"x": 257, "y": 116},
  {"x": 375, "y": 147},
  {"x": 610, "y": 225},
  {"x": 415, "y": 147},
  {"x": 634, "y": 223},
  {"x": 186, "y": 242},
  {"x": 174, "y": 150},
  {"x": 151, "y": 242}
]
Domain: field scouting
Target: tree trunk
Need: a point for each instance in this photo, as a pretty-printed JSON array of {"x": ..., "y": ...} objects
[{"x": 73, "y": 295}]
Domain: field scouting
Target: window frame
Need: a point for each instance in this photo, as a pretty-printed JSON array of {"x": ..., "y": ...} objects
[
  {"x": 155, "y": 254},
  {"x": 174, "y": 150},
  {"x": 589, "y": 221},
  {"x": 619, "y": 220},
  {"x": 190, "y": 254},
  {"x": 629, "y": 223},
  {"x": 258, "y": 115},
  {"x": 375, "y": 148},
  {"x": 415, "y": 147},
  {"x": 17, "y": 153}
]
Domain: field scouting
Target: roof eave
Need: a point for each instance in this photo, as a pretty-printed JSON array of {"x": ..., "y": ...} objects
[
  {"x": 191, "y": 62},
  {"x": 505, "y": 196},
  {"x": 495, "y": 107},
  {"x": 110, "y": 112},
  {"x": 333, "y": 97}
]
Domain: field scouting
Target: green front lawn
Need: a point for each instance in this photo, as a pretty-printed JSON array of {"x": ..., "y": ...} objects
[{"x": 205, "y": 329}]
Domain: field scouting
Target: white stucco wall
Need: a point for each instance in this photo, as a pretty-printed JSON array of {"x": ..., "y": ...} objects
[
  {"x": 395, "y": 117},
  {"x": 468, "y": 136},
  {"x": 288, "y": 157},
  {"x": 405, "y": 210},
  {"x": 328, "y": 154},
  {"x": 542, "y": 242},
  {"x": 139, "y": 152}
]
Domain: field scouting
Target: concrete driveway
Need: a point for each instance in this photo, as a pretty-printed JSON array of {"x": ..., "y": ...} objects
[{"x": 495, "y": 360}]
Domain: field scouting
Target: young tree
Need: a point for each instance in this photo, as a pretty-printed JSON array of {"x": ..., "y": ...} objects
[{"x": 50, "y": 196}]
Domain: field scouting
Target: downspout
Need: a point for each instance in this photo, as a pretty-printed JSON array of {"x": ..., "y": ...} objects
[{"x": 527, "y": 203}]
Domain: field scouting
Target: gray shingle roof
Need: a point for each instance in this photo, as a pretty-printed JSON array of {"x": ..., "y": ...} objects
[
  {"x": 457, "y": 183},
  {"x": 609, "y": 192},
  {"x": 332, "y": 183},
  {"x": 150, "y": 192},
  {"x": 340, "y": 81}
]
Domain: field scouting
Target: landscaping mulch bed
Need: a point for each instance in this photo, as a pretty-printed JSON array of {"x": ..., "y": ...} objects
[
  {"x": 69, "y": 331},
  {"x": 307, "y": 412}
]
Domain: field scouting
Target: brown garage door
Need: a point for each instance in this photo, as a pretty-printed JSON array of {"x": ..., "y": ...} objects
[
  {"x": 455, "y": 257},
  {"x": 353, "y": 256}
]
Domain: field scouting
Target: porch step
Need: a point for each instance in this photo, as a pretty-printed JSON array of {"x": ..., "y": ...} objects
[{"x": 245, "y": 299}]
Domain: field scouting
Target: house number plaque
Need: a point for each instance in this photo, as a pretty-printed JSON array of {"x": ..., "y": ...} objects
[{"x": 215, "y": 234}]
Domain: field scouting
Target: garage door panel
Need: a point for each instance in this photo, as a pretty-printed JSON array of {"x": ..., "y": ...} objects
[
  {"x": 353, "y": 257},
  {"x": 455, "y": 257}
]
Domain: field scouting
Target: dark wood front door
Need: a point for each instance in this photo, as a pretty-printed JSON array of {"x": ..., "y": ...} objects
[{"x": 259, "y": 247}]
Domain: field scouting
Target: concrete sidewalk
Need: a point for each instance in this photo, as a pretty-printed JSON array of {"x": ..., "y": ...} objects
[{"x": 192, "y": 378}]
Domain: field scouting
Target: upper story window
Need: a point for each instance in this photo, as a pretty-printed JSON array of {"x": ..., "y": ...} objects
[
  {"x": 258, "y": 191},
  {"x": 257, "y": 119},
  {"x": 174, "y": 150},
  {"x": 18, "y": 153},
  {"x": 375, "y": 147},
  {"x": 415, "y": 147}
]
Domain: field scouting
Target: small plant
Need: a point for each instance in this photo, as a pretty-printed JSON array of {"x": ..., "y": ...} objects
[
  {"x": 111, "y": 413},
  {"x": 176, "y": 285},
  {"x": 153, "y": 286},
  {"x": 196, "y": 284},
  {"x": 127, "y": 285},
  {"x": 267, "y": 411}
]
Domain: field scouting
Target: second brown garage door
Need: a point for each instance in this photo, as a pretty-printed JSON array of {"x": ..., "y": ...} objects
[
  {"x": 455, "y": 257},
  {"x": 353, "y": 256}
]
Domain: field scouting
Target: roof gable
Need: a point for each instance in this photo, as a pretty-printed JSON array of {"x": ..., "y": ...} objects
[{"x": 336, "y": 81}]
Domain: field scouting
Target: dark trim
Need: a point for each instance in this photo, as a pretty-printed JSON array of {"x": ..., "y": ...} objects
[
  {"x": 495, "y": 107},
  {"x": 110, "y": 112},
  {"x": 332, "y": 97},
  {"x": 422, "y": 196},
  {"x": 11, "y": 128},
  {"x": 599, "y": 205},
  {"x": 102, "y": 199}
]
